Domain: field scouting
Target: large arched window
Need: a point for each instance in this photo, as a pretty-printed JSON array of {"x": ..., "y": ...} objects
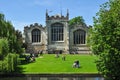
[
  {"x": 36, "y": 35},
  {"x": 57, "y": 32},
  {"x": 79, "y": 36}
]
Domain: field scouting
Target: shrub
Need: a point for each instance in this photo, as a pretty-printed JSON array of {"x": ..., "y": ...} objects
[{"x": 9, "y": 64}]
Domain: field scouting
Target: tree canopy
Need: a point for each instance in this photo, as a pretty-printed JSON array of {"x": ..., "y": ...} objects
[
  {"x": 10, "y": 44},
  {"x": 77, "y": 21},
  {"x": 105, "y": 39},
  {"x": 13, "y": 36}
]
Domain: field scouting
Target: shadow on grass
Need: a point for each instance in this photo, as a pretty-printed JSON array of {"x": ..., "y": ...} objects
[
  {"x": 24, "y": 62},
  {"x": 19, "y": 70}
]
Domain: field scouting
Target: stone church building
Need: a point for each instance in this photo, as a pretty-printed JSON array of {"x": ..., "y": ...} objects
[{"x": 56, "y": 35}]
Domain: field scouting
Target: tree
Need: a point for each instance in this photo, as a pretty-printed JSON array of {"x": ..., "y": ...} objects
[
  {"x": 105, "y": 39},
  {"x": 13, "y": 36},
  {"x": 10, "y": 44},
  {"x": 77, "y": 21},
  {"x": 19, "y": 42}
]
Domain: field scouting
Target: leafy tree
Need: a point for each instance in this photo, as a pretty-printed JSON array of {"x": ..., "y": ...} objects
[
  {"x": 19, "y": 42},
  {"x": 77, "y": 21},
  {"x": 10, "y": 44},
  {"x": 105, "y": 39},
  {"x": 13, "y": 36}
]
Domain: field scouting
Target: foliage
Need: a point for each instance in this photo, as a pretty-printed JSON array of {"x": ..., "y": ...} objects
[
  {"x": 19, "y": 42},
  {"x": 4, "y": 49},
  {"x": 13, "y": 36},
  {"x": 105, "y": 39},
  {"x": 9, "y": 64},
  {"x": 77, "y": 21},
  {"x": 10, "y": 44}
]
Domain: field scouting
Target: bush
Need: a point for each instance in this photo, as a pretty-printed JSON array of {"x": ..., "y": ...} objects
[{"x": 9, "y": 64}]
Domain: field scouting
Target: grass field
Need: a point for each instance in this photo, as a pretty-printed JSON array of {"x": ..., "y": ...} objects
[{"x": 49, "y": 64}]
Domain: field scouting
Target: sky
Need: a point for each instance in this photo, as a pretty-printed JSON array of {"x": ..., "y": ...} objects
[{"x": 25, "y": 12}]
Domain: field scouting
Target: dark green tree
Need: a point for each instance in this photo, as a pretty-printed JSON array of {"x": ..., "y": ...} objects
[
  {"x": 77, "y": 21},
  {"x": 13, "y": 36},
  {"x": 19, "y": 42},
  {"x": 105, "y": 39},
  {"x": 10, "y": 44}
]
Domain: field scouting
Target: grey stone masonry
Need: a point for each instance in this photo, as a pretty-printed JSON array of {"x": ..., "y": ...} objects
[
  {"x": 58, "y": 45},
  {"x": 34, "y": 47},
  {"x": 56, "y": 35}
]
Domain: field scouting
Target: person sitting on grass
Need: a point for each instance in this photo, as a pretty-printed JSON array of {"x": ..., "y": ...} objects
[
  {"x": 41, "y": 53},
  {"x": 57, "y": 55},
  {"x": 33, "y": 59},
  {"x": 76, "y": 64},
  {"x": 27, "y": 58}
]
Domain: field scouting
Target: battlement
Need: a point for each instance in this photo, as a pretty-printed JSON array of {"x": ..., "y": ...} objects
[
  {"x": 33, "y": 25},
  {"x": 57, "y": 16}
]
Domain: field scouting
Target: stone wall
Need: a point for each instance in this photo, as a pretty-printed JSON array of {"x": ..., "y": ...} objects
[
  {"x": 67, "y": 45},
  {"x": 78, "y": 48},
  {"x": 36, "y": 46},
  {"x": 58, "y": 45}
]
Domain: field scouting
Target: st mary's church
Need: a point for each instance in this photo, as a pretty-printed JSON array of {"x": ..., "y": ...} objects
[{"x": 57, "y": 34}]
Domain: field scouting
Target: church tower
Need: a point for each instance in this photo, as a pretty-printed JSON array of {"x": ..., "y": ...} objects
[{"x": 57, "y": 32}]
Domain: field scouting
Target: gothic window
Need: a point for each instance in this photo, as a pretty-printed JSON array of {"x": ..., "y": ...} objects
[
  {"x": 36, "y": 35},
  {"x": 79, "y": 36},
  {"x": 57, "y": 32}
]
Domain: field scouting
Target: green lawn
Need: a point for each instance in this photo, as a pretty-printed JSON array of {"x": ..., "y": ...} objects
[{"x": 49, "y": 64}]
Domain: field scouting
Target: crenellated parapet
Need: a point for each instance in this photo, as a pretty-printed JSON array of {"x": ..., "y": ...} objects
[
  {"x": 35, "y": 25},
  {"x": 57, "y": 16}
]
